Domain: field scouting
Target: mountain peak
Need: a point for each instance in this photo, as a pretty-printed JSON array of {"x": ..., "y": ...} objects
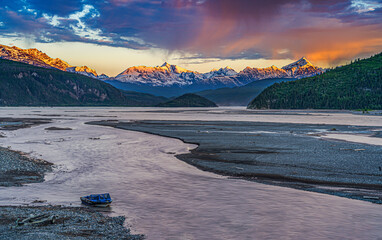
[
  {"x": 166, "y": 64},
  {"x": 299, "y": 63},
  {"x": 305, "y": 61},
  {"x": 84, "y": 70},
  {"x": 227, "y": 71}
]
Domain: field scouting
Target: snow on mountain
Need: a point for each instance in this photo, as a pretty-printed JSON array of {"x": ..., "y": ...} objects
[
  {"x": 303, "y": 68},
  {"x": 163, "y": 75},
  {"x": 103, "y": 77},
  {"x": 84, "y": 70},
  {"x": 37, "y": 58},
  {"x": 169, "y": 75},
  {"x": 264, "y": 73},
  {"x": 299, "y": 69},
  {"x": 227, "y": 71},
  {"x": 300, "y": 63}
]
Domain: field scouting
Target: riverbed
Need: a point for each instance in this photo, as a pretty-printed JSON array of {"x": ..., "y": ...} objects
[{"x": 165, "y": 198}]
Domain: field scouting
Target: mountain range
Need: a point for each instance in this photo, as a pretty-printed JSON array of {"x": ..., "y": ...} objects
[
  {"x": 170, "y": 80},
  {"x": 166, "y": 80},
  {"x": 37, "y": 58}
]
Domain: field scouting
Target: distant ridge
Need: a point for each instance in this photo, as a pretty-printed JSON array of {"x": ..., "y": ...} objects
[
  {"x": 354, "y": 86},
  {"x": 240, "y": 96}
]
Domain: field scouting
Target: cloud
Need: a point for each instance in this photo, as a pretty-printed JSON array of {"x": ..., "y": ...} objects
[
  {"x": 325, "y": 30},
  {"x": 56, "y": 7}
]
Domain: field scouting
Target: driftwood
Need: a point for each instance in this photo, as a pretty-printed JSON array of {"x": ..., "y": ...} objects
[{"x": 43, "y": 218}]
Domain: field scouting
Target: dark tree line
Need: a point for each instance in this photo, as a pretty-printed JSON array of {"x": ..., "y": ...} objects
[{"x": 354, "y": 86}]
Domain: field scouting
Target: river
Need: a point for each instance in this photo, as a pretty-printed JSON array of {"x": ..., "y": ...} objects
[{"x": 165, "y": 198}]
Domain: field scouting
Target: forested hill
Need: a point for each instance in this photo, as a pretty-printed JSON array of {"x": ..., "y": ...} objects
[
  {"x": 188, "y": 100},
  {"x": 26, "y": 85},
  {"x": 354, "y": 86}
]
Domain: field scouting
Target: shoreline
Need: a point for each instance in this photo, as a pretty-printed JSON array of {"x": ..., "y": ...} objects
[
  {"x": 354, "y": 190},
  {"x": 17, "y": 168}
]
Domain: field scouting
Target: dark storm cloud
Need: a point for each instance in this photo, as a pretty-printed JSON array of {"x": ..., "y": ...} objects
[{"x": 59, "y": 7}]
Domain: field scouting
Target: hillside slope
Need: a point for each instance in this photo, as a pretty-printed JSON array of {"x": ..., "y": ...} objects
[
  {"x": 138, "y": 99},
  {"x": 188, "y": 100},
  {"x": 354, "y": 86},
  {"x": 26, "y": 85},
  {"x": 239, "y": 96},
  {"x": 37, "y": 58}
]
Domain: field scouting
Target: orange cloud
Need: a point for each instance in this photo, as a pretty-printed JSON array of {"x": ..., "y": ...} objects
[{"x": 330, "y": 46}]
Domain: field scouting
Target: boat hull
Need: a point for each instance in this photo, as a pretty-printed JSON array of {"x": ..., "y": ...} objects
[{"x": 94, "y": 204}]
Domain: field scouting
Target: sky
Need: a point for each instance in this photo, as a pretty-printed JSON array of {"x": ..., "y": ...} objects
[{"x": 112, "y": 35}]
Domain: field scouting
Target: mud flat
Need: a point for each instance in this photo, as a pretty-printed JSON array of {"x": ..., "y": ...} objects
[
  {"x": 17, "y": 123},
  {"x": 286, "y": 154},
  {"x": 70, "y": 223}
]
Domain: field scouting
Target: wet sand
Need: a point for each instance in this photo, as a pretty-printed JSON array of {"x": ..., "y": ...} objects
[{"x": 292, "y": 155}]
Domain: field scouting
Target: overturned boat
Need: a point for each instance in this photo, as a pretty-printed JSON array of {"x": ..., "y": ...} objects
[{"x": 97, "y": 200}]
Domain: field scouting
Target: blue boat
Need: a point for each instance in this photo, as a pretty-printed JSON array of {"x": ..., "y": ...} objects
[{"x": 97, "y": 200}]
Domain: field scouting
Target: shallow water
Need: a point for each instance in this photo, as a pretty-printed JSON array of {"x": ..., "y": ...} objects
[
  {"x": 165, "y": 198},
  {"x": 2, "y": 124}
]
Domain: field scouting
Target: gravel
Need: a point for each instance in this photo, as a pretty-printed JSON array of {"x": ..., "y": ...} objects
[
  {"x": 16, "y": 168},
  {"x": 71, "y": 223}
]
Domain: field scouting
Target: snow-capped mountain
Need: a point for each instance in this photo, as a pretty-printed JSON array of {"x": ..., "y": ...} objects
[
  {"x": 103, "y": 77},
  {"x": 37, "y": 58},
  {"x": 167, "y": 75},
  {"x": 303, "y": 68},
  {"x": 227, "y": 71},
  {"x": 170, "y": 79},
  {"x": 299, "y": 69},
  {"x": 84, "y": 70},
  {"x": 164, "y": 75}
]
